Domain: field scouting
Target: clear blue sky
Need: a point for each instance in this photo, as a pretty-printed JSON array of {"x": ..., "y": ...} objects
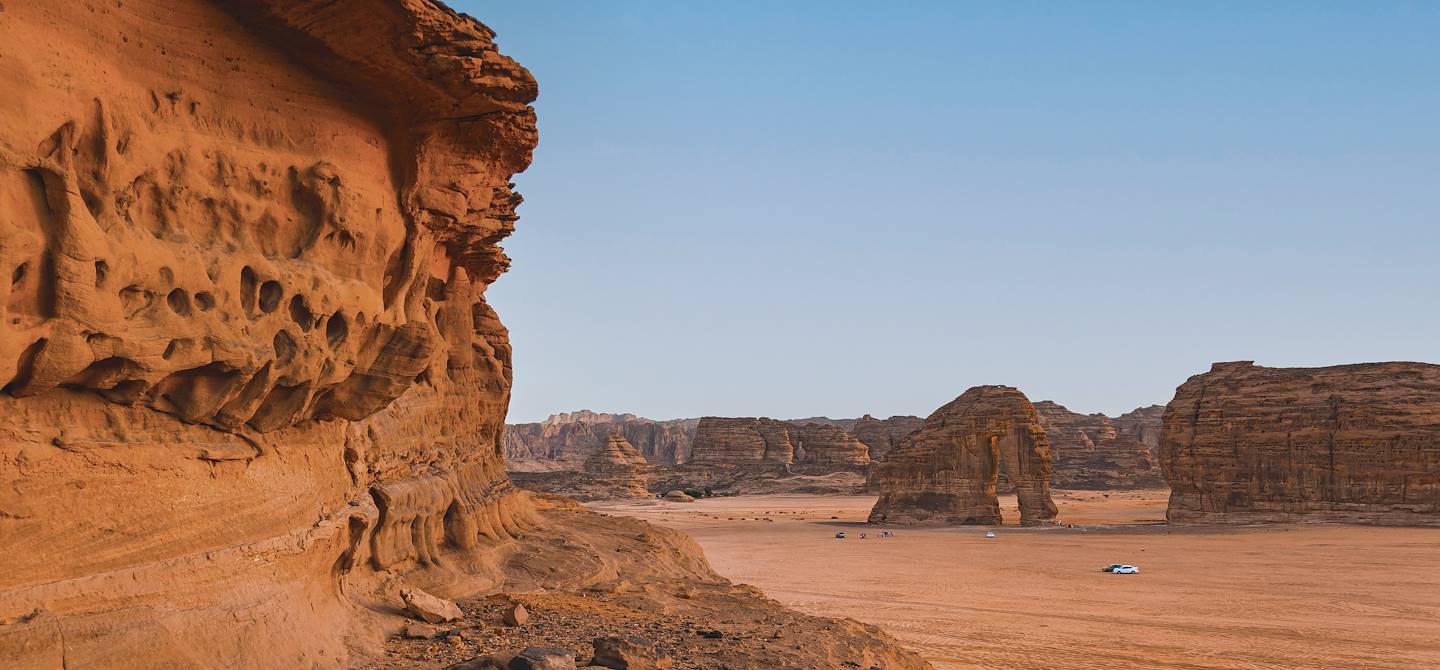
[{"x": 801, "y": 208}]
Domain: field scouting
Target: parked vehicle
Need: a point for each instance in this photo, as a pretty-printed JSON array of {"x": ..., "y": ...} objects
[
  {"x": 1126, "y": 570},
  {"x": 840, "y": 535}
]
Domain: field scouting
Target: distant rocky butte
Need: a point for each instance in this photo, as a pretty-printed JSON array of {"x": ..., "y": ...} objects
[
  {"x": 1089, "y": 451},
  {"x": 946, "y": 472},
  {"x": 250, "y": 385},
  {"x": 1352, "y": 443},
  {"x": 764, "y": 441},
  {"x": 563, "y": 441},
  {"x": 587, "y": 416}
]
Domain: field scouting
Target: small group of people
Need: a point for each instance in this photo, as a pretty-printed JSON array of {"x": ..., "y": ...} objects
[{"x": 883, "y": 533}]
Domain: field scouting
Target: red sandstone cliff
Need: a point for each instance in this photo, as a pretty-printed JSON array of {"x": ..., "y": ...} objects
[
  {"x": 1353, "y": 443},
  {"x": 246, "y": 353}
]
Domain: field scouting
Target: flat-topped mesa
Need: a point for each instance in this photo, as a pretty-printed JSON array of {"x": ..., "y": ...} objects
[
  {"x": 882, "y": 435},
  {"x": 764, "y": 441},
  {"x": 586, "y": 416},
  {"x": 1089, "y": 451},
  {"x": 1349, "y": 443},
  {"x": 946, "y": 472}
]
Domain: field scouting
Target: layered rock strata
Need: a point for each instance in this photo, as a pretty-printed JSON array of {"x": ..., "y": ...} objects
[
  {"x": 763, "y": 441},
  {"x": 1351, "y": 443},
  {"x": 1090, "y": 452},
  {"x": 946, "y": 472}
]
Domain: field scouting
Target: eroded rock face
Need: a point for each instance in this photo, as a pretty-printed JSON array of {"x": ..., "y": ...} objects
[
  {"x": 763, "y": 441},
  {"x": 1143, "y": 425},
  {"x": 1090, "y": 452},
  {"x": 565, "y": 440},
  {"x": 619, "y": 465},
  {"x": 1351, "y": 443},
  {"x": 946, "y": 472},
  {"x": 244, "y": 344},
  {"x": 882, "y": 435}
]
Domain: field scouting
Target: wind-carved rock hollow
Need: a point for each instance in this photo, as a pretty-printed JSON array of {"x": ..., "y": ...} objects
[
  {"x": 251, "y": 384},
  {"x": 1351, "y": 443},
  {"x": 946, "y": 472}
]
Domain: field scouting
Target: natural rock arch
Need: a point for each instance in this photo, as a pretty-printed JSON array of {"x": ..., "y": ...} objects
[{"x": 946, "y": 472}]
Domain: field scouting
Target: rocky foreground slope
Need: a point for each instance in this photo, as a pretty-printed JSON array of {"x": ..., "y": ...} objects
[
  {"x": 1353, "y": 443},
  {"x": 946, "y": 472},
  {"x": 250, "y": 386}
]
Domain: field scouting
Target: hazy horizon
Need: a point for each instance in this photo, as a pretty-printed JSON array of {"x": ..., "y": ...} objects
[{"x": 807, "y": 209}]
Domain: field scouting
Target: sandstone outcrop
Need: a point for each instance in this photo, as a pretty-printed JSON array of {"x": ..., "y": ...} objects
[
  {"x": 565, "y": 440},
  {"x": 763, "y": 441},
  {"x": 428, "y": 608},
  {"x": 1088, "y": 451},
  {"x": 619, "y": 466},
  {"x": 1351, "y": 443},
  {"x": 250, "y": 386},
  {"x": 1143, "y": 425},
  {"x": 882, "y": 435},
  {"x": 246, "y": 354},
  {"x": 946, "y": 472}
]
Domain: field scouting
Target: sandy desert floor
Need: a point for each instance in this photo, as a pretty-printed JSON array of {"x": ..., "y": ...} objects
[{"x": 1274, "y": 597}]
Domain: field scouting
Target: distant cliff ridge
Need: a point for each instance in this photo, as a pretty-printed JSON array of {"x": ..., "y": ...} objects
[{"x": 1092, "y": 451}]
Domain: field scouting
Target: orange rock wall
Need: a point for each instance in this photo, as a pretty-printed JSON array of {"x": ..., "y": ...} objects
[
  {"x": 1350, "y": 443},
  {"x": 248, "y": 370}
]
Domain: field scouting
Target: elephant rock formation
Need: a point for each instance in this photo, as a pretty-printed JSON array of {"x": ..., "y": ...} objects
[{"x": 945, "y": 473}]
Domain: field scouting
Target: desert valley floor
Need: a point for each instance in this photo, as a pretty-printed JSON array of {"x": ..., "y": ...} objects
[{"x": 1308, "y": 596}]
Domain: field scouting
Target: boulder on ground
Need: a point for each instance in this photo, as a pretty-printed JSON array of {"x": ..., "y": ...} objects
[
  {"x": 628, "y": 652},
  {"x": 496, "y": 661},
  {"x": 516, "y": 615},
  {"x": 430, "y": 608},
  {"x": 415, "y": 630},
  {"x": 544, "y": 658},
  {"x": 679, "y": 496}
]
